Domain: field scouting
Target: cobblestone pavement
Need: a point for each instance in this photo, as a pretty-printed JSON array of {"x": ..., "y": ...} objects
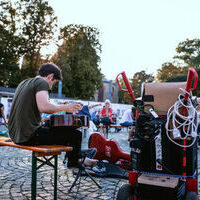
[{"x": 15, "y": 177}]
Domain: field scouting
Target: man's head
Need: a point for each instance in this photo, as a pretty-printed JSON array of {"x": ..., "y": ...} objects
[
  {"x": 80, "y": 102},
  {"x": 50, "y": 68},
  {"x": 50, "y": 72}
]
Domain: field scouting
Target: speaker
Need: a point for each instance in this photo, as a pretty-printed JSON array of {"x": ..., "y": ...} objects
[
  {"x": 160, "y": 155},
  {"x": 175, "y": 154}
]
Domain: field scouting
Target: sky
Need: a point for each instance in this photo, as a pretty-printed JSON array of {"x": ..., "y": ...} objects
[{"x": 135, "y": 34}]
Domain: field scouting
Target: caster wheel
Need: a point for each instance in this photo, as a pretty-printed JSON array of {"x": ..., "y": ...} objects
[
  {"x": 126, "y": 192},
  {"x": 191, "y": 196}
]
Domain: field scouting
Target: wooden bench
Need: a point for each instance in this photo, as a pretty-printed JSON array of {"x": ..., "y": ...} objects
[
  {"x": 40, "y": 151},
  {"x": 112, "y": 126}
]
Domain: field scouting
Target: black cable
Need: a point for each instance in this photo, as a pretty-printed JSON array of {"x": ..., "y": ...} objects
[
  {"x": 117, "y": 184},
  {"x": 160, "y": 162},
  {"x": 78, "y": 187},
  {"x": 79, "y": 179}
]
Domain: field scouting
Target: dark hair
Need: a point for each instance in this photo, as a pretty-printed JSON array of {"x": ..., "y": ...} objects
[{"x": 50, "y": 68}]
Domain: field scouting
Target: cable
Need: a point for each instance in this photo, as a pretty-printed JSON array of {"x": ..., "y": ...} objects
[
  {"x": 116, "y": 184},
  {"x": 184, "y": 125},
  {"x": 160, "y": 162}
]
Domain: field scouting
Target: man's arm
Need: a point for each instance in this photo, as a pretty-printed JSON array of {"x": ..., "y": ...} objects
[
  {"x": 101, "y": 114},
  {"x": 94, "y": 105},
  {"x": 45, "y": 106},
  {"x": 3, "y": 115}
]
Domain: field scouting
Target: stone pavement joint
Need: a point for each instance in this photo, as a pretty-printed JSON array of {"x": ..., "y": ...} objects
[{"x": 15, "y": 179}]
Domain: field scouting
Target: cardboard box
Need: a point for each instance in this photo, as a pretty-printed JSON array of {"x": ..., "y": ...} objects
[{"x": 162, "y": 95}]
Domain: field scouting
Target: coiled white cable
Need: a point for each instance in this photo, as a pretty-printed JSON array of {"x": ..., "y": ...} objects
[{"x": 184, "y": 125}]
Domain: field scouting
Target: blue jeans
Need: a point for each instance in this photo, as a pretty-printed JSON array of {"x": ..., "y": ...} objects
[
  {"x": 96, "y": 122},
  {"x": 126, "y": 124},
  {"x": 105, "y": 121}
]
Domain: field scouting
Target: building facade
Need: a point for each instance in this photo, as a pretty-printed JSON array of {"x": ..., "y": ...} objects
[{"x": 108, "y": 91}]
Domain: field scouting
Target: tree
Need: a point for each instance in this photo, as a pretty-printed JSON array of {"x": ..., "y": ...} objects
[
  {"x": 136, "y": 82},
  {"x": 78, "y": 57},
  {"x": 138, "y": 79},
  {"x": 25, "y": 26},
  {"x": 38, "y": 25},
  {"x": 10, "y": 45},
  {"x": 189, "y": 52},
  {"x": 168, "y": 70},
  {"x": 183, "y": 77},
  {"x": 124, "y": 97}
]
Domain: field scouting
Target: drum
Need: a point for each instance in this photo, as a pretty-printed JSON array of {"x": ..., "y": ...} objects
[{"x": 69, "y": 120}]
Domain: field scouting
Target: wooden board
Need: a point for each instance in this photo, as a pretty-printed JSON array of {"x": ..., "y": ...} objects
[
  {"x": 161, "y": 181},
  {"x": 48, "y": 149}
]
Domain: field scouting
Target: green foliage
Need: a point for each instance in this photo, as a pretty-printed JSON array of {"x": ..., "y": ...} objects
[
  {"x": 78, "y": 57},
  {"x": 168, "y": 70},
  {"x": 183, "y": 77},
  {"x": 136, "y": 82},
  {"x": 25, "y": 26},
  {"x": 38, "y": 27},
  {"x": 138, "y": 79},
  {"x": 124, "y": 97},
  {"x": 189, "y": 52},
  {"x": 10, "y": 46}
]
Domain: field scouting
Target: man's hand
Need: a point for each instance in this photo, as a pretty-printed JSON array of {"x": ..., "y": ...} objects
[
  {"x": 64, "y": 102},
  {"x": 45, "y": 106},
  {"x": 73, "y": 107}
]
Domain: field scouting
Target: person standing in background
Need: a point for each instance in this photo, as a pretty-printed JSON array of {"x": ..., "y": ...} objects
[{"x": 2, "y": 115}]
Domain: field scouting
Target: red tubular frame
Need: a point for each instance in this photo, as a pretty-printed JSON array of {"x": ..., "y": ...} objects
[
  {"x": 191, "y": 184},
  {"x": 128, "y": 86},
  {"x": 191, "y": 73}
]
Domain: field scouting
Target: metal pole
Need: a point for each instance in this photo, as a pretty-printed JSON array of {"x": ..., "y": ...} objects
[
  {"x": 55, "y": 176},
  {"x": 34, "y": 177},
  {"x": 60, "y": 89}
]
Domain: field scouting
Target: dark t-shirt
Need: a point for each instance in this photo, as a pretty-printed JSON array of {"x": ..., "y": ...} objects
[
  {"x": 25, "y": 117},
  {"x": 85, "y": 111},
  {"x": 1, "y": 105}
]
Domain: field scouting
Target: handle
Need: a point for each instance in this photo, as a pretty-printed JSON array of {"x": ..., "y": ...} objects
[
  {"x": 128, "y": 86},
  {"x": 188, "y": 88},
  {"x": 117, "y": 79},
  {"x": 191, "y": 73}
]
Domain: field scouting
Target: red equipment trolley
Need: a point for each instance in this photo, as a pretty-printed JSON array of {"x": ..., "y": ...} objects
[{"x": 169, "y": 173}]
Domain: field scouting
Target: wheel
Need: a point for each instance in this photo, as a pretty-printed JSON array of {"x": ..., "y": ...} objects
[
  {"x": 191, "y": 196},
  {"x": 126, "y": 192}
]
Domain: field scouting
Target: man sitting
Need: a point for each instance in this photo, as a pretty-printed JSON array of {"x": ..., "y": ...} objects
[
  {"x": 30, "y": 100},
  {"x": 127, "y": 120}
]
